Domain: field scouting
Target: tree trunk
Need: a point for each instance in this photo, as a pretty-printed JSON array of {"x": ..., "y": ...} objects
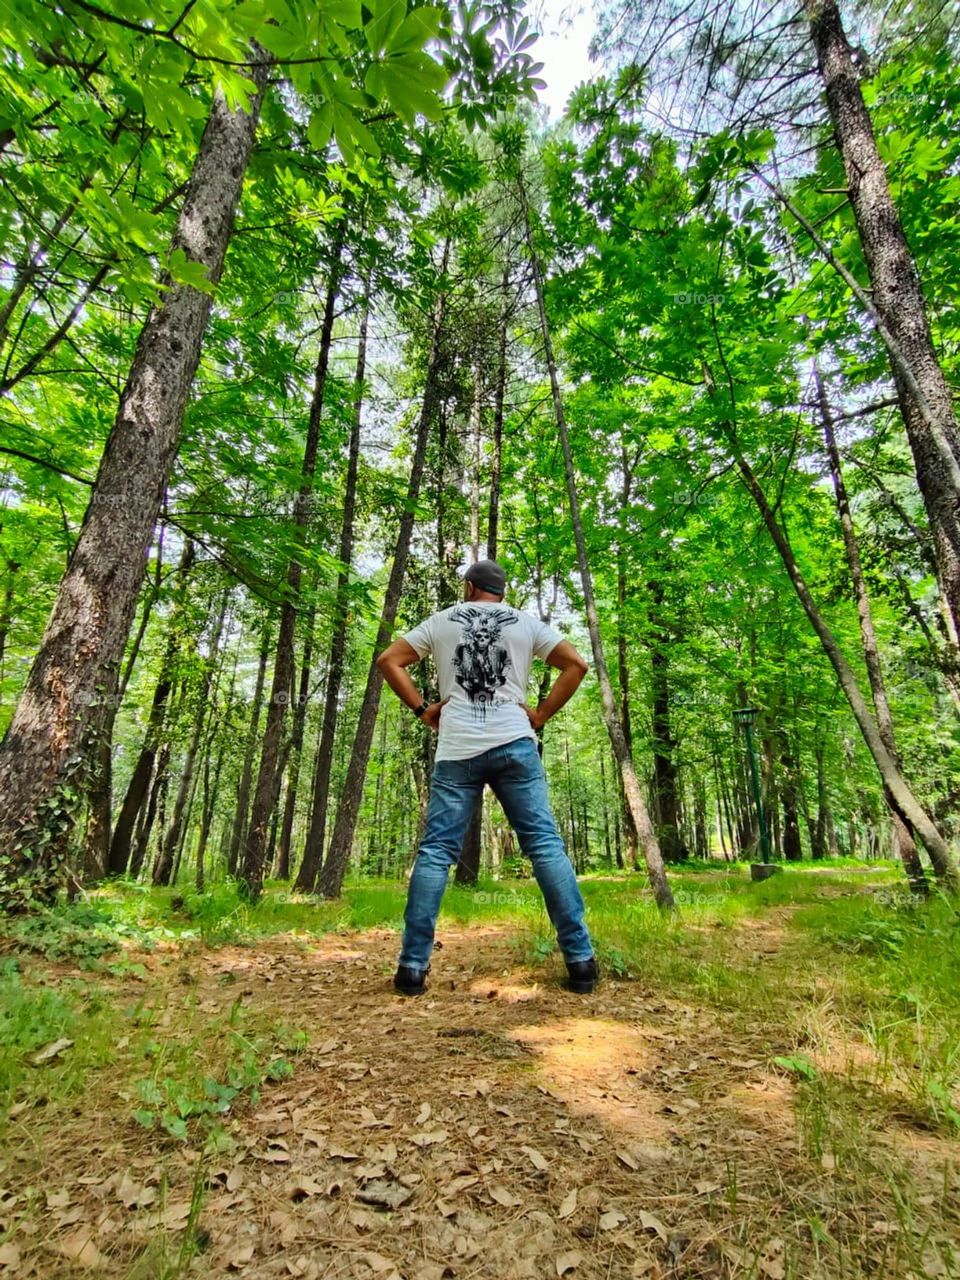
[
  {"x": 164, "y": 863},
  {"x": 323, "y": 765},
  {"x": 901, "y": 795},
  {"x": 499, "y": 396},
  {"x": 623, "y": 665},
  {"x": 906, "y": 845},
  {"x": 296, "y": 750},
  {"x": 140, "y": 778},
  {"x": 330, "y": 880},
  {"x": 621, "y": 750},
  {"x": 666, "y": 806},
  {"x": 269, "y": 777},
  {"x": 148, "y": 817},
  {"x": 249, "y": 754},
  {"x": 922, "y": 389},
  {"x": 468, "y": 866},
  {"x": 790, "y": 798},
  {"x": 99, "y": 801},
  {"x": 6, "y": 614},
  {"x": 44, "y": 752}
]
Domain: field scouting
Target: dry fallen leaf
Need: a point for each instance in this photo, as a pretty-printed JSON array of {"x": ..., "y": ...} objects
[
  {"x": 285, "y": 1225},
  {"x": 706, "y": 1188},
  {"x": 626, "y": 1158},
  {"x": 424, "y": 1114},
  {"x": 275, "y": 1155},
  {"x": 430, "y": 1138},
  {"x": 568, "y": 1204},
  {"x": 384, "y": 1194},
  {"x": 568, "y": 1262},
  {"x": 503, "y": 1196},
  {"x": 538, "y": 1160},
  {"x": 79, "y": 1247},
  {"x": 133, "y": 1195},
  {"x": 9, "y": 1256},
  {"x": 381, "y": 1265},
  {"x": 651, "y": 1223},
  {"x": 305, "y": 1187},
  {"x": 240, "y": 1257},
  {"x": 58, "y": 1199},
  {"x": 770, "y": 1262},
  {"x": 611, "y": 1219},
  {"x": 457, "y": 1185},
  {"x": 50, "y": 1051}
]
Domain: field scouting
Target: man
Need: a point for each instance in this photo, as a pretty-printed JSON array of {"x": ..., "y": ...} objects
[{"x": 483, "y": 650}]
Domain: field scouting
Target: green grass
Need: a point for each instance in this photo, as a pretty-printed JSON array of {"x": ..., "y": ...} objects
[
  {"x": 866, "y": 964},
  {"x": 34, "y": 1015},
  {"x": 856, "y": 1001}
]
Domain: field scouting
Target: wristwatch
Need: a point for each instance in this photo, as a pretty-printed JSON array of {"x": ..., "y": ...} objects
[{"x": 418, "y": 711}]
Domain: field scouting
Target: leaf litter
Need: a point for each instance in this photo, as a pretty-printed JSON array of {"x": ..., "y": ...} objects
[{"x": 400, "y": 1150}]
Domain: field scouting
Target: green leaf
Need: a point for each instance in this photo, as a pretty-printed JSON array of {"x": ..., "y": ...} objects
[
  {"x": 798, "y": 1066},
  {"x": 352, "y": 134},
  {"x": 409, "y": 87},
  {"x": 416, "y": 29},
  {"x": 320, "y": 128},
  {"x": 184, "y": 271},
  {"x": 174, "y": 1125},
  {"x": 388, "y": 15}
]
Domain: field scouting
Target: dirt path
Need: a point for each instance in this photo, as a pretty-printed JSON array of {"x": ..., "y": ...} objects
[{"x": 497, "y": 1127}]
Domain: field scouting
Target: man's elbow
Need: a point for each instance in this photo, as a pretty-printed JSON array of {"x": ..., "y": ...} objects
[
  {"x": 383, "y": 661},
  {"x": 580, "y": 665}
]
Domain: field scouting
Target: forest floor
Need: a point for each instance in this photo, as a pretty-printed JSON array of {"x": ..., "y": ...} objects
[{"x": 271, "y": 1110}]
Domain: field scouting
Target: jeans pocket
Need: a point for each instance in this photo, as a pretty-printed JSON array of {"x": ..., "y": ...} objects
[{"x": 523, "y": 762}]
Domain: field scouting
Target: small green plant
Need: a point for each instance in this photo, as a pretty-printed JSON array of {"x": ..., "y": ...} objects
[
  {"x": 943, "y": 1105},
  {"x": 798, "y": 1066}
]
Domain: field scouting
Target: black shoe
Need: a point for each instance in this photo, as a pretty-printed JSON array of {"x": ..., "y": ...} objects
[
  {"x": 410, "y": 982},
  {"x": 583, "y": 975}
]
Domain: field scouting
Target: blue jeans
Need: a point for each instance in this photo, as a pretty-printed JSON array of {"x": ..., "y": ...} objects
[{"x": 515, "y": 774}]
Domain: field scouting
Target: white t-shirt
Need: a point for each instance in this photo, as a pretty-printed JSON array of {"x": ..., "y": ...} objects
[{"x": 483, "y": 651}]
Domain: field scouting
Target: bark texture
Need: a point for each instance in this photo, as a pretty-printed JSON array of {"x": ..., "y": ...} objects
[
  {"x": 922, "y": 389},
  {"x": 45, "y": 750}
]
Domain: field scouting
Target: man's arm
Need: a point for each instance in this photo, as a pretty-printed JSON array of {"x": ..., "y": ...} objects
[
  {"x": 393, "y": 662},
  {"x": 572, "y": 668}
]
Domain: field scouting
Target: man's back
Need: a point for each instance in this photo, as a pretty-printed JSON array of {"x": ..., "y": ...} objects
[{"x": 483, "y": 652}]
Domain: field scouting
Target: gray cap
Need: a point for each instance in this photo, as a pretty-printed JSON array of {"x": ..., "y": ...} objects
[{"x": 488, "y": 576}]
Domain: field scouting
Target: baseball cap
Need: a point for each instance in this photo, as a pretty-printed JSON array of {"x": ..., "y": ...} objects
[{"x": 488, "y": 576}]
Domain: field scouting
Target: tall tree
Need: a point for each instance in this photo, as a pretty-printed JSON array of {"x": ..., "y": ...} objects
[
  {"x": 330, "y": 880},
  {"x": 323, "y": 764},
  {"x": 267, "y": 789},
  {"x": 631, "y": 783},
  {"x": 44, "y": 752},
  {"x": 906, "y": 845}
]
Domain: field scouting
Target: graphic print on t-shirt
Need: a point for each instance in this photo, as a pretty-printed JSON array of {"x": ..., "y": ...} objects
[{"x": 481, "y": 663}]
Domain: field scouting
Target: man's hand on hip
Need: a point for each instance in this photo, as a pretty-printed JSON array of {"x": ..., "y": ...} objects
[
  {"x": 431, "y": 716},
  {"x": 534, "y": 715}
]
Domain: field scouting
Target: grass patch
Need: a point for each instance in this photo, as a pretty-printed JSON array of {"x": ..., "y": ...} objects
[{"x": 34, "y": 1016}]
